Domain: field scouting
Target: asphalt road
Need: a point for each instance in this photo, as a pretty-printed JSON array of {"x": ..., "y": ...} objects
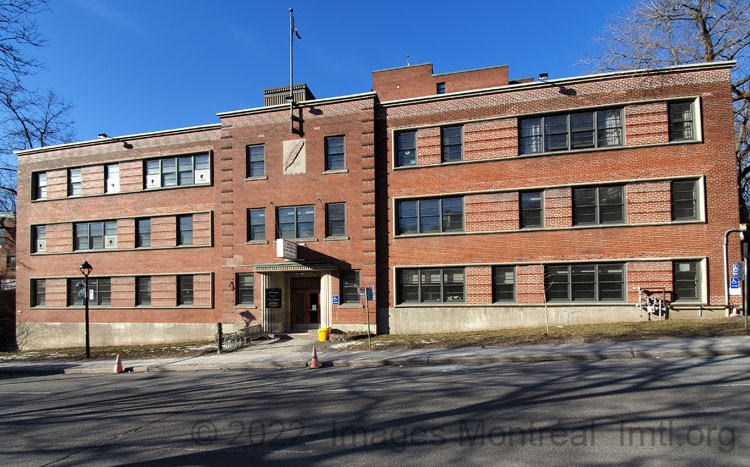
[{"x": 613, "y": 412}]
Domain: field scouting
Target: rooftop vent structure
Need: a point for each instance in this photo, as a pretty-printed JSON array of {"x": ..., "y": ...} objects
[{"x": 280, "y": 95}]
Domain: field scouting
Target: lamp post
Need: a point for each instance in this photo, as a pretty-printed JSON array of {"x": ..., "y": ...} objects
[{"x": 86, "y": 270}]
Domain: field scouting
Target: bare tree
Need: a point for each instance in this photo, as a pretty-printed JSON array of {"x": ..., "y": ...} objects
[
  {"x": 28, "y": 118},
  {"x": 657, "y": 33}
]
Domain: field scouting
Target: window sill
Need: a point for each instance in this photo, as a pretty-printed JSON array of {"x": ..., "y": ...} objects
[
  {"x": 335, "y": 171},
  {"x": 430, "y": 304},
  {"x": 300, "y": 241},
  {"x": 546, "y": 154},
  {"x": 259, "y": 177},
  {"x": 353, "y": 306},
  {"x": 118, "y": 250},
  {"x": 336, "y": 239},
  {"x": 175, "y": 187},
  {"x": 432, "y": 234},
  {"x": 250, "y": 306},
  {"x": 256, "y": 242}
]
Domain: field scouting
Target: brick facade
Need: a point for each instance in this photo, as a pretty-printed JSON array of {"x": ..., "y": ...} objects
[{"x": 494, "y": 169}]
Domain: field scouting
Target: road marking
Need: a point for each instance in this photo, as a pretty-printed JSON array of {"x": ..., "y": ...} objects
[{"x": 33, "y": 393}]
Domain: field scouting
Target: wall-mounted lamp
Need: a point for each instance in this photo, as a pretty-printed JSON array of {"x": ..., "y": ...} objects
[{"x": 125, "y": 144}]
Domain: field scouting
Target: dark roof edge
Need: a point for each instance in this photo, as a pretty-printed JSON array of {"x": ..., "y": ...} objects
[
  {"x": 115, "y": 139},
  {"x": 562, "y": 81}
]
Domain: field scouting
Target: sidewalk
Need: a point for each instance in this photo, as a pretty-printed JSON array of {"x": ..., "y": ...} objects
[{"x": 294, "y": 351}]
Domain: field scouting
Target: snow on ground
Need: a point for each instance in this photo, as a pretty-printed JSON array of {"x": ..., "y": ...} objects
[{"x": 344, "y": 345}]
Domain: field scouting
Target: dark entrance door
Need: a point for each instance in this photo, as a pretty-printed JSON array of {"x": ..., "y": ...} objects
[{"x": 306, "y": 303}]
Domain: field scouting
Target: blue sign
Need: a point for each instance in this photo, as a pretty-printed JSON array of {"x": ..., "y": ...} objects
[
  {"x": 735, "y": 269},
  {"x": 734, "y": 282},
  {"x": 335, "y": 299}
]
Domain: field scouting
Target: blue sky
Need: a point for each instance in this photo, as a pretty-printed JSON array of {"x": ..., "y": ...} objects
[{"x": 146, "y": 65}]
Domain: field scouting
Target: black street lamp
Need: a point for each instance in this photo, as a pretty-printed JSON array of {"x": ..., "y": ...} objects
[{"x": 86, "y": 270}]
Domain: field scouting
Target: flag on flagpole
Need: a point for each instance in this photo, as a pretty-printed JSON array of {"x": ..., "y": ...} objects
[{"x": 294, "y": 29}]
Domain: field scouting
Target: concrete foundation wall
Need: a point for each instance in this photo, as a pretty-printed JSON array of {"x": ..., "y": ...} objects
[
  {"x": 59, "y": 335},
  {"x": 412, "y": 320}
]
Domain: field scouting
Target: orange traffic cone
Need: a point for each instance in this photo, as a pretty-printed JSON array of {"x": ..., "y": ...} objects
[
  {"x": 118, "y": 364},
  {"x": 314, "y": 363}
]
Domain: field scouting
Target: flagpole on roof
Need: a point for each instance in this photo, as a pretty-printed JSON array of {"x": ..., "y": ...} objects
[{"x": 291, "y": 62}]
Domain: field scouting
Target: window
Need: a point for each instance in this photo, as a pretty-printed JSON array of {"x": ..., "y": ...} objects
[
  {"x": 256, "y": 225},
  {"x": 686, "y": 280},
  {"x": 191, "y": 169},
  {"x": 598, "y": 205},
  {"x": 335, "y": 153},
  {"x": 38, "y": 292},
  {"x": 445, "y": 285},
  {"x": 531, "y": 209},
  {"x": 681, "y": 121},
  {"x": 245, "y": 289},
  {"x": 39, "y": 185},
  {"x": 184, "y": 290},
  {"x": 336, "y": 220},
  {"x": 39, "y": 238},
  {"x": 74, "y": 182},
  {"x": 452, "y": 145},
  {"x": 93, "y": 235},
  {"x": 585, "y": 282},
  {"x": 256, "y": 160},
  {"x": 684, "y": 200},
  {"x": 112, "y": 178},
  {"x": 579, "y": 130},
  {"x": 10, "y": 263},
  {"x": 430, "y": 216},
  {"x": 3, "y": 232},
  {"x": 440, "y": 88},
  {"x": 504, "y": 284},
  {"x": 296, "y": 222},
  {"x": 349, "y": 283},
  {"x": 143, "y": 291},
  {"x": 406, "y": 148},
  {"x": 143, "y": 233},
  {"x": 100, "y": 291},
  {"x": 185, "y": 230}
]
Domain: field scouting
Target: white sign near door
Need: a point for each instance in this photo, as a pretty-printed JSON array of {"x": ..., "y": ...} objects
[{"x": 286, "y": 249}]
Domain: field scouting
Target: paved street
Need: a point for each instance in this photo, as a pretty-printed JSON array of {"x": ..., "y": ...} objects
[{"x": 616, "y": 412}]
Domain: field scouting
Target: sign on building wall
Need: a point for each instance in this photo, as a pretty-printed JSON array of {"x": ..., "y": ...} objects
[
  {"x": 734, "y": 286},
  {"x": 286, "y": 249},
  {"x": 273, "y": 298}
]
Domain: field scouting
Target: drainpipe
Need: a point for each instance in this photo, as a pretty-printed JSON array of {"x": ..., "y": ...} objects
[{"x": 743, "y": 228}]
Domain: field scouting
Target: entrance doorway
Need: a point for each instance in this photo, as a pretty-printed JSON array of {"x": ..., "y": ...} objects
[{"x": 305, "y": 303}]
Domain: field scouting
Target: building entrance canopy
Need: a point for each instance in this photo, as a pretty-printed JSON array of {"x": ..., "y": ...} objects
[{"x": 294, "y": 266}]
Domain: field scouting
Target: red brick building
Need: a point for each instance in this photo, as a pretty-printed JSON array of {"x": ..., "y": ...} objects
[{"x": 470, "y": 201}]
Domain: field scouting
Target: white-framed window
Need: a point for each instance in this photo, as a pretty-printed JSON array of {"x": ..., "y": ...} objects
[
  {"x": 569, "y": 131},
  {"x": 186, "y": 170}
]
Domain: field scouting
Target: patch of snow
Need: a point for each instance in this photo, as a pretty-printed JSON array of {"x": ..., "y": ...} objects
[{"x": 344, "y": 345}]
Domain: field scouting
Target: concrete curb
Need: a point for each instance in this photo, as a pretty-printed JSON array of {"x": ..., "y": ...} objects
[{"x": 418, "y": 360}]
